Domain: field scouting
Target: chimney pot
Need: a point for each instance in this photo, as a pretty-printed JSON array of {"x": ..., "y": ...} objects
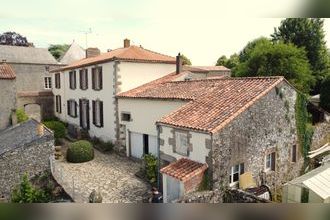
[
  {"x": 178, "y": 63},
  {"x": 127, "y": 43}
]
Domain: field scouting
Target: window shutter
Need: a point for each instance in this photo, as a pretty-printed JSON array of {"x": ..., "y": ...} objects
[
  {"x": 80, "y": 112},
  {"x": 68, "y": 106},
  {"x": 294, "y": 153},
  {"x": 75, "y": 79},
  {"x": 93, "y": 78},
  {"x": 94, "y": 115},
  {"x": 86, "y": 79},
  {"x": 87, "y": 101},
  {"x": 100, "y": 78},
  {"x": 273, "y": 161},
  {"x": 242, "y": 168},
  {"x": 75, "y": 109},
  {"x": 101, "y": 114},
  {"x": 56, "y": 103},
  {"x": 80, "y": 79},
  {"x": 60, "y": 104}
]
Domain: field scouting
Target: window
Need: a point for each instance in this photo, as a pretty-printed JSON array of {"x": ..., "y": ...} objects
[
  {"x": 72, "y": 108},
  {"x": 83, "y": 76},
  {"x": 58, "y": 104},
  {"x": 125, "y": 116},
  {"x": 57, "y": 81},
  {"x": 235, "y": 171},
  {"x": 84, "y": 113},
  {"x": 97, "y": 78},
  {"x": 294, "y": 153},
  {"x": 72, "y": 79},
  {"x": 270, "y": 162},
  {"x": 48, "y": 82},
  {"x": 181, "y": 143},
  {"x": 98, "y": 113}
]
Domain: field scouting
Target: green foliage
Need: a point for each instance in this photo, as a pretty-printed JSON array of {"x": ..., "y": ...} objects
[
  {"x": 325, "y": 94},
  {"x": 304, "y": 128},
  {"x": 185, "y": 60},
  {"x": 230, "y": 62},
  {"x": 102, "y": 145},
  {"x": 150, "y": 162},
  {"x": 21, "y": 116},
  {"x": 27, "y": 193},
  {"x": 13, "y": 39},
  {"x": 205, "y": 184},
  {"x": 57, "y": 50},
  {"x": 308, "y": 34},
  {"x": 264, "y": 58},
  {"x": 80, "y": 151},
  {"x": 58, "y": 128}
]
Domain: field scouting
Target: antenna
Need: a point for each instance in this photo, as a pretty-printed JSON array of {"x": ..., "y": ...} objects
[{"x": 89, "y": 31}]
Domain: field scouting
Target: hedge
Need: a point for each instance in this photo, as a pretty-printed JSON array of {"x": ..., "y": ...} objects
[
  {"x": 80, "y": 151},
  {"x": 58, "y": 128}
]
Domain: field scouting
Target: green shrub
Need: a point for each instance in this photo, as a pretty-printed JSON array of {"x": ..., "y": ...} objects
[
  {"x": 325, "y": 94},
  {"x": 58, "y": 128},
  {"x": 150, "y": 162},
  {"x": 80, "y": 151},
  {"x": 102, "y": 145},
  {"x": 27, "y": 193},
  {"x": 21, "y": 115}
]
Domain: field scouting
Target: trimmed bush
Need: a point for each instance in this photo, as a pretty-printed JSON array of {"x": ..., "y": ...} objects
[
  {"x": 101, "y": 145},
  {"x": 21, "y": 115},
  {"x": 79, "y": 152},
  {"x": 150, "y": 162},
  {"x": 58, "y": 128}
]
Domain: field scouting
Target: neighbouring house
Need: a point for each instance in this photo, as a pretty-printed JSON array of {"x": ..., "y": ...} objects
[
  {"x": 33, "y": 79},
  {"x": 74, "y": 53},
  {"x": 7, "y": 94},
  {"x": 84, "y": 91},
  {"x": 312, "y": 187},
  {"x": 213, "y": 129},
  {"x": 24, "y": 148}
]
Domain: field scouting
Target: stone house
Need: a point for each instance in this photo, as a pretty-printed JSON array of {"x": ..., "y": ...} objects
[
  {"x": 86, "y": 89},
  {"x": 27, "y": 152},
  {"x": 33, "y": 79},
  {"x": 7, "y": 94},
  {"x": 227, "y": 126}
]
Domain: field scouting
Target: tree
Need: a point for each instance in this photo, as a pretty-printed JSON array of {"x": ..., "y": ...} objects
[
  {"x": 185, "y": 60},
  {"x": 264, "y": 58},
  {"x": 230, "y": 63},
  {"x": 244, "y": 55},
  {"x": 325, "y": 94},
  {"x": 13, "y": 39},
  {"x": 57, "y": 50},
  {"x": 307, "y": 33}
]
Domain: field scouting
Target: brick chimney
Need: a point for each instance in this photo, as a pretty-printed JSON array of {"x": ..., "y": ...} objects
[
  {"x": 127, "y": 43},
  {"x": 178, "y": 64},
  {"x": 92, "y": 52}
]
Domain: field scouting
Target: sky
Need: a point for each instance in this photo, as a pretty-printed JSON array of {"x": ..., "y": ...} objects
[{"x": 201, "y": 30}]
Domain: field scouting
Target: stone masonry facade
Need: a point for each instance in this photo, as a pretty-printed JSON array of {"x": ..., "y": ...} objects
[
  {"x": 8, "y": 101},
  {"x": 267, "y": 126}
]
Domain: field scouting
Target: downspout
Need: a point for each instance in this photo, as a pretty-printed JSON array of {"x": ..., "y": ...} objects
[{"x": 158, "y": 156}]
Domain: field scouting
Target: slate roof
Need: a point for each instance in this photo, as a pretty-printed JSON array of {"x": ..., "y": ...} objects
[
  {"x": 20, "y": 135},
  {"x": 6, "y": 72},
  {"x": 31, "y": 55},
  {"x": 211, "y": 103},
  {"x": 184, "y": 169},
  {"x": 132, "y": 54}
]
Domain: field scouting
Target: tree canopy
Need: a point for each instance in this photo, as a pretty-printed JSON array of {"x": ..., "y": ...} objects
[
  {"x": 230, "y": 62},
  {"x": 325, "y": 94},
  {"x": 262, "y": 57},
  {"x": 13, "y": 39},
  {"x": 57, "y": 50},
  {"x": 307, "y": 33},
  {"x": 185, "y": 60}
]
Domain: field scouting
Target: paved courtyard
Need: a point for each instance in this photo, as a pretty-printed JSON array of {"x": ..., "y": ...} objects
[{"x": 111, "y": 174}]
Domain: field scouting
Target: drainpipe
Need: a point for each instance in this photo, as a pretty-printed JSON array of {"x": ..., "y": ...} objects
[{"x": 158, "y": 156}]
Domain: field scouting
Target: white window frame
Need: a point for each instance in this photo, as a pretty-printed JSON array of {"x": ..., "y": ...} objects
[
  {"x": 268, "y": 162},
  {"x": 181, "y": 143},
  {"x": 234, "y": 171},
  {"x": 47, "y": 82}
]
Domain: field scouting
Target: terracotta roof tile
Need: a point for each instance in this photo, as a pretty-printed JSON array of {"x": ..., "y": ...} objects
[
  {"x": 6, "y": 72},
  {"x": 184, "y": 169},
  {"x": 205, "y": 68},
  {"x": 211, "y": 103},
  {"x": 132, "y": 53}
]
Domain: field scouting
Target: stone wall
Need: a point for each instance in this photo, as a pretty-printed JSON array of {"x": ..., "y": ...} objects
[
  {"x": 46, "y": 104},
  {"x": 32, "y": 158},
  {"x": 321, "y": 135},
  {"x": 267, "y": 126},
  {"x": 8, "y": 101}
]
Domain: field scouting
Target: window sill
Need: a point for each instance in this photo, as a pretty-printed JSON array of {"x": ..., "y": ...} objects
[
  {"x": 97, "y": 89},
  {"x": 84, "y": 89},
  {"x": 98, "y": 126},
  {"x": 73, "y": 116},
  {"x": 233, "y": 185}
]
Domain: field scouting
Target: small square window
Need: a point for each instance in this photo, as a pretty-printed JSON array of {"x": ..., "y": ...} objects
[
  {"x": 125, "y": 116},
  {"x": 181, "y": 143},
  {"x": 48, "y": 82},
  {"x": 235, "y": 172}
]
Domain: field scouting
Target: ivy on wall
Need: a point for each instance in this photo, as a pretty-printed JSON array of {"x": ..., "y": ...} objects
[{"x": 304, "y": 128}]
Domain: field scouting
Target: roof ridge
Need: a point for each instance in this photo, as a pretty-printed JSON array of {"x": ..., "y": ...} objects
[{"x": 152, "y": 51}]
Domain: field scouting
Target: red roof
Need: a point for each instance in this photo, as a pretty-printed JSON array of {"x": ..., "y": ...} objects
[
  {"x": 211, "y": 103},
  {"x": 184, "y": 169},
  {"x": 6, "y": 72},
  {"x": 131, "y": 54}
]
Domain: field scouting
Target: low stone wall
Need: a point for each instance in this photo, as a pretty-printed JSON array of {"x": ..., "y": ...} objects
[
  {"x": 321, "y": 135},
  {"x": 31, "y": 159},
  {"x": 202, "y": 197},
  {"x": 240, "y": 196}
]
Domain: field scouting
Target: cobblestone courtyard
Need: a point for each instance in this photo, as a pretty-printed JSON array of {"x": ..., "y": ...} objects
[{"x": 111, "y": 174}]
